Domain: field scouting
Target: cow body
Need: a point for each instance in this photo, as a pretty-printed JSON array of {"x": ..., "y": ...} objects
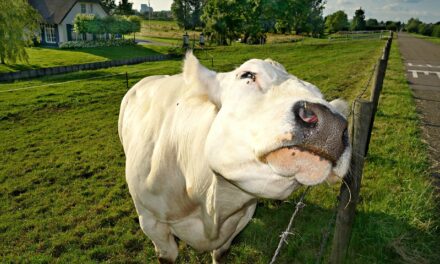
[{"x": 195, "y": 178}]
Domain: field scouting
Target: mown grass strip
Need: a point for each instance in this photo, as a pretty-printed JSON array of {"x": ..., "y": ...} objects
[{"x": 40, "y": 57}]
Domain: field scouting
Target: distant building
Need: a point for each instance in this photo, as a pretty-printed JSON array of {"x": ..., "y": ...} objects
[
  {"x": 58, "y": 16},
  {"x": 146, "y": 9}
]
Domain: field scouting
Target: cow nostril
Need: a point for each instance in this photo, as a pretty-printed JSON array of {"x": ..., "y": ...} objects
[{"x": 307, "y": 115}]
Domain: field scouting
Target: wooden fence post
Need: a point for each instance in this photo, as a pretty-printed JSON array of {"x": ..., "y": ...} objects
[
  {"x": 348, "y": 198},
  {"x": 376, "y": 89}
]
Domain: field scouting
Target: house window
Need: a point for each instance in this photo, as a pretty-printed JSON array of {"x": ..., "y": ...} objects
[
  {"x": 91, "y": 8},
  {"x": 50, "y": 34},
  {"x": 83, "y": 8}
]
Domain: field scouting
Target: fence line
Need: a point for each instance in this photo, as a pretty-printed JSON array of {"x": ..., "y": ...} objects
[
  {"x": 361, "y": 127},
  {"x": 12, "y": 76},
  {"x": 82, "y": 79},
  {"x": 362, "y": 114}
]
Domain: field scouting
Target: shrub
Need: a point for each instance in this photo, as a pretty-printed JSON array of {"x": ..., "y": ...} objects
[
  {"x": 436, "y": 31},
  {"x": 88, "y": 23},
  {"x": 97, "y": 43},
  {"x": 425, "y": 29}
]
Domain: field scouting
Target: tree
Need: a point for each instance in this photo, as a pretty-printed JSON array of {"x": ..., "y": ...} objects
[
  {"x": 187, "y": 13},
  {"x": 301, "y": 16},
  {"x": 109, "y": 5},
  {"x": 436, "y": 31},
  {"x": 313, "y": 21},
  {"x": 413, "y": 25},
  {"x": 255, "y": 22},
  {"x": 252, "y": 19},
  {"x": 124, "y": 8},
  {"x": 223, "y": 20},
  {"x": 181, "y": 13},
  {"x": 372, "y": 23},
  {"x": 337, "y": 21},
  {"x": 358, "y": 22},
  {"x": 18, "y": 24},
  {"x": 391, "y": 25},
  {"x": 426, "y": 29}
]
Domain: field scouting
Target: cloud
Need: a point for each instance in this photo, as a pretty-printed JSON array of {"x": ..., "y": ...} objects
[
  {"x": 394, "y": 7},
  {"x": 409, "y": 1},
  {"x": 344, "y": 2}
]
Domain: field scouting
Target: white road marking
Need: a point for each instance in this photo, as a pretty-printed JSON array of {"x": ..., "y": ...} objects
[
  {"x": 415, "y": 73},
  {"x": 422, "y": 65}
]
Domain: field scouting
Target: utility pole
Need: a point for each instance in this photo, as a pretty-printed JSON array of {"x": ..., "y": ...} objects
[{"x": 149, "y": 15}]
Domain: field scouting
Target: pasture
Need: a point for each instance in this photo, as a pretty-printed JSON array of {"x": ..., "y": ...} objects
[{"x": 63, "y": 196}]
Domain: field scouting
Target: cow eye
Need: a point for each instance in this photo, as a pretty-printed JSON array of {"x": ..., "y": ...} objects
[{"x": 248, "y": 75}]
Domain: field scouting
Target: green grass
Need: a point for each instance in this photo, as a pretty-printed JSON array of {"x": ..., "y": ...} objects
[
  {"x": 63, "y": 196},
  {"x": 49, "y": 57},
  {"x": 398, "y": 215},
  {"x": 176, "y": 42},
  {"x": 168, "y": 32},
  {"x": 428, "y": 38}
]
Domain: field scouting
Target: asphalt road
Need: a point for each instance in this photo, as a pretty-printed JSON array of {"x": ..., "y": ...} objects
[{"x": 422, "y": 62}]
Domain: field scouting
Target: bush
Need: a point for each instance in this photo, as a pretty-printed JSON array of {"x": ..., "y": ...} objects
[
  {"x": 97, "y": 43},
  {"x": 88, "y": 23},
  {"x": 425, "y": 29},
  {"x": 436, "y": 31}
]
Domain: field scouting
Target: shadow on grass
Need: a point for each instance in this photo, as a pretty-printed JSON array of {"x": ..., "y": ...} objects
[
  {"x": 18, "y": 67},
  {"x": 115, "y": 53},
  {"x": 385, "y": 236},
  {"x": 73, "y": 56}
]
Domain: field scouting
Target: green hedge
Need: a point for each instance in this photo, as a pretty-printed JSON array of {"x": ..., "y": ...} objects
[
  {"x": 89, "y": 23},
  {"x": 97, "y": 43}
]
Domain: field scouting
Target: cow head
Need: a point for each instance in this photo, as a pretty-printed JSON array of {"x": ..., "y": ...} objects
[{"x": 272, "y": 130}]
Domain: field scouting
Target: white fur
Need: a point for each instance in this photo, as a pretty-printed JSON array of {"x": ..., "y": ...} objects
[{"x": 194, "y": 144}]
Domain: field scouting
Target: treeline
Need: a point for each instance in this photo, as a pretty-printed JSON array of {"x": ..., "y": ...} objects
[
  {"x": 338, "y": 21},
  {"x": 250, "y": 20},
  {"x": 414, "y": 25}
]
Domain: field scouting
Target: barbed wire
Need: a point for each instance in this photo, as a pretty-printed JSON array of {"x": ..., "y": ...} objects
[
  {"x": 362, "y": 92},
  {"x": 287, "y": 232}
]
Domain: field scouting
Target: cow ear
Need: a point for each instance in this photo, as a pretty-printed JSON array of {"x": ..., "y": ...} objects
[{"x": 205, "y": 80}]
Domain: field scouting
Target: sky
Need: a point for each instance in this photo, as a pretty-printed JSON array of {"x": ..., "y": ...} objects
[{"x": 427, "y": 11}]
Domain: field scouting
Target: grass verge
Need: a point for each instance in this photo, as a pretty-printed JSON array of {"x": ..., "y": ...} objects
[
  {"x": 63, "y": 195},
  {"x": 50, "y": 57},
  {"x": 428, "y": 38}
]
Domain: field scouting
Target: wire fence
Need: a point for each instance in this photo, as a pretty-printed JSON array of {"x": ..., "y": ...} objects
[
  {"x": 362, "y": 118},
  {"x": 126, "y": 74}
]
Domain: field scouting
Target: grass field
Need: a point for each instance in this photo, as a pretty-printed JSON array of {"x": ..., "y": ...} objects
[
  {"x": 428, "y": 38},
  {"x": 49, "y": 57},
  {"x": 63, "y": 196},
  {"x": 168, "y": 32}
]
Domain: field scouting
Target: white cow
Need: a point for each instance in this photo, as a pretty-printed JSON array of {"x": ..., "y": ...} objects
[{"x": 202, "y": 146}]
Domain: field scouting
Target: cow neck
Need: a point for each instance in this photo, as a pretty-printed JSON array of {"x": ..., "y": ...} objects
[{"x": 223, "y": 200}]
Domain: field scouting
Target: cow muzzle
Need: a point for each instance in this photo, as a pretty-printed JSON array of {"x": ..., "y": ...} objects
[{"x": 320, "y": 139}]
